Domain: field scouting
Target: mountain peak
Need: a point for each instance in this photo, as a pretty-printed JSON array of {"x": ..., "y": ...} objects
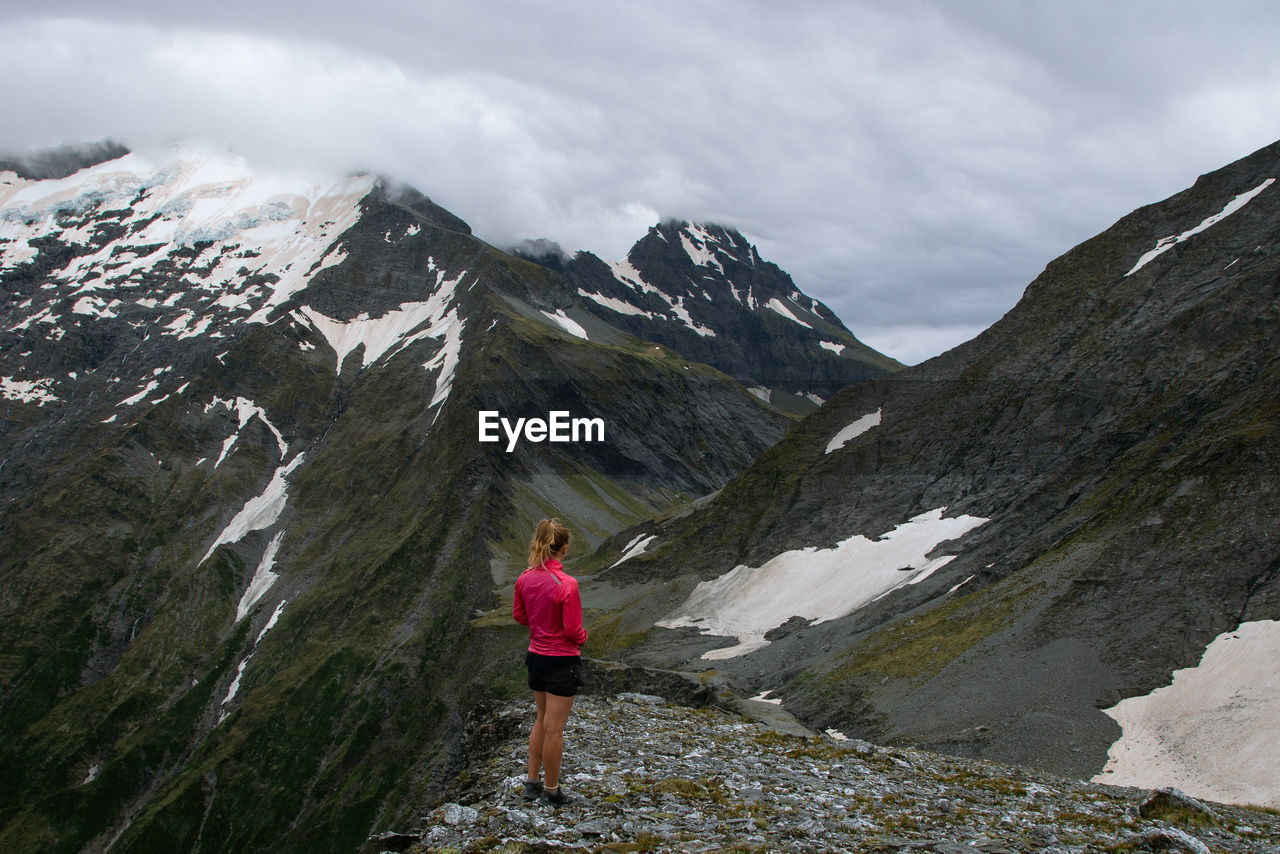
[
  {"x": 706, "y": 244},
  {"x": 703, "y": 290}
]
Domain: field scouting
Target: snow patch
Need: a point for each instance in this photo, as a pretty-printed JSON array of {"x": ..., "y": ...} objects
[
  {"x": 28, "y": 391},
  {"x": 853, "y": 431},
  {"x": 696, "y": 241},
  {"x": 234, "y": 688},
  {"x": 259, "y": 512},
  {"x": 235, "y": 683},
  {"x": 566, "y": 323},
  {"x": 246, "y": 410},
  {"x": 1212, "y": 731},
  {"x": 620, "y": 306},
  {"x": 778, "y": 306},
  {"x": 815, "y": 583},
  {"x": 626, "y": 273},
  {"x": 393, "y": 331},
  {"x": 1166, "y": 243},
  {"x": 137, "y": 398},
  {"x": 446, "y": 360},
  {"x": 376, "y": 335},
  {"x": 95, "y": 307},
  {"x": 262, "y": 580},
  {"x": 747, "y": 298},
  {"x": 682, "y": 313},
  {"x": 636, "y": 547},
  {"x": 833, "y": 347},
  {"x": 271, "y": 623}
]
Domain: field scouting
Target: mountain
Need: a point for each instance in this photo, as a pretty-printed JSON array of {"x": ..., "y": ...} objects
[
  {"x": 271, "y": 451},
  {"x": 987, "y": 553},
  {"x": 705, "y": 292}
]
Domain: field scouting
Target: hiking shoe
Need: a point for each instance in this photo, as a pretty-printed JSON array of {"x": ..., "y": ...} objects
[
  {"x": 554, "y": 798},
  {"x": 532, "y": 788}
]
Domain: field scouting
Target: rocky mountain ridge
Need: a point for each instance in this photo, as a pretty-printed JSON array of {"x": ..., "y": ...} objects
[{"x": 650, "y": 775}]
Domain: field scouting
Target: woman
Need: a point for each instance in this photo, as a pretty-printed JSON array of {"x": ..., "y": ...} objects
[{"x": 546, "y": 600}]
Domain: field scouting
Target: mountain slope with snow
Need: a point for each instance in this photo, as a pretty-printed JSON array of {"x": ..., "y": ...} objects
[
  {"x": 247, "y": 516},
  {"x": 1105, "y": 455}
]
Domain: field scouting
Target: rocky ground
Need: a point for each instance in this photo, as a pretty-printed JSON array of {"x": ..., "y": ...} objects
[{"x": 650, "y": 776}]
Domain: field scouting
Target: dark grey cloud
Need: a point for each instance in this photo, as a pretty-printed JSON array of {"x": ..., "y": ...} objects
[{"x": 912, "y": 164}]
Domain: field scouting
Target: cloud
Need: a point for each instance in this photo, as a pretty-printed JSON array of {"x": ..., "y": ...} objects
[{"x": 914, "y": 165}]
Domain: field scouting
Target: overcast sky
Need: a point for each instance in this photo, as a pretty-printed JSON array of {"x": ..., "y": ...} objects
[{"x": 914, "y": 165}]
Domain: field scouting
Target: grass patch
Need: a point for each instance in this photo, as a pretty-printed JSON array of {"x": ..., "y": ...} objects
[
  {"x": 604, "y": 637},
  {"x": 1180, "y": 816},
  {"x": 918, "y": 648},
  {"x": 708, "y": 790}
]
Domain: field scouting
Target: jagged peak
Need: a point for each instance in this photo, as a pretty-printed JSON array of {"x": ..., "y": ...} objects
[{"x": 704, "y": 241}]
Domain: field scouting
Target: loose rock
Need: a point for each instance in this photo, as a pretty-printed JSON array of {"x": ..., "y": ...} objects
[{"x": 652, "y": 776}]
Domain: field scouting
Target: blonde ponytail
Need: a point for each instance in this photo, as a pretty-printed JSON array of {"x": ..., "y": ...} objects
[{"x": 548, "y": 539}]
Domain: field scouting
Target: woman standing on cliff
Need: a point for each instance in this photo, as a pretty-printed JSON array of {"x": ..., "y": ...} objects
[{"x": 547, "y": 601}]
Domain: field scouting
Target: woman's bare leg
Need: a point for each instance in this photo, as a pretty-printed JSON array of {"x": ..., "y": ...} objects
[
  {"x": 553, "y": 714},
  {"x": 536, "y": 740}
]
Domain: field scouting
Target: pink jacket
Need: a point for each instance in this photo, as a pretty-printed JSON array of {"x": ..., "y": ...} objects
[{"x": 546, "y": 600}]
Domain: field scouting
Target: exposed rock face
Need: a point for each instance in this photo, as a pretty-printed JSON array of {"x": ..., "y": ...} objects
[
  {"x": 1116, "y": 430},
  {"x": 246, "y": 510}
]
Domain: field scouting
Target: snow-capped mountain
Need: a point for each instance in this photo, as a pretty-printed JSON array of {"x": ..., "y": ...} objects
[
  {"x": 1055, "y": 545},
  {"x": 270, "y": 442},
  {"x": 705, "y": 292}
]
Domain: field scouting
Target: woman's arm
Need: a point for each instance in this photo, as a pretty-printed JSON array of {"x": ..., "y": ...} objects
[
  {"x": 571, "y": 615},
  {"x": 518, "y": 611}
]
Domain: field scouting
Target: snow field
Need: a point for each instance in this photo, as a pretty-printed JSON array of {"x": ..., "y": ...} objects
[
  {"x": 817, "y": 584},
  {"x": 269, "y": 225},
  {"x": 1214, "y": 731}
]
